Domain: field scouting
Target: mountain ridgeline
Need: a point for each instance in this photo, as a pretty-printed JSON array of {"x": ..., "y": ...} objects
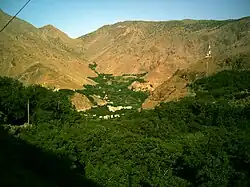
[
  {"x": 48, "y": 56},
  {"x": 160, "y": 48},
  {"x": 41, "y": 55}
]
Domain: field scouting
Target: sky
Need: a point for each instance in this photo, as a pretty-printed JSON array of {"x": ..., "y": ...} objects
[{"x": 79, "y": 17}]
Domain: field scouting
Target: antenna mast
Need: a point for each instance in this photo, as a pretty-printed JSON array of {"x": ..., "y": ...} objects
[{"x": 208, "y": 56}]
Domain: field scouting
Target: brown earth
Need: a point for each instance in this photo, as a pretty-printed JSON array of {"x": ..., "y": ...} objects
[
  {"x": 81, "y": 102},
  {"x": 45, "y": 55},
  {"x": 160, "y": 48},
  {"x": 48, "y": 56}
]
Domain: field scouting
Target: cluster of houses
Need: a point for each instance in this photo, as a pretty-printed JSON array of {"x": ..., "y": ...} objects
[
  {"x": 109, "y": 116},
  {"x": 111, "y": 109},
  {"x": 106, "y": 116},
  {"x": 116, "y": 108}
]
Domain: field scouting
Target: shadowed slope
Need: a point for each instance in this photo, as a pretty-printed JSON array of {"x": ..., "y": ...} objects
[{"x": 23, "y": 164}]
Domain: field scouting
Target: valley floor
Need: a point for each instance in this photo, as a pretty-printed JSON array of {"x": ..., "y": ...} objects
[{"x": 112, "y": 97}]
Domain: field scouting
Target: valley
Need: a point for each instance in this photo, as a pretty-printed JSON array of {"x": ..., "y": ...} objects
[
  {"x": 135, "y": 103},
  {"x": 50, "y": 57},
  {"x": 112, "y": 94}
]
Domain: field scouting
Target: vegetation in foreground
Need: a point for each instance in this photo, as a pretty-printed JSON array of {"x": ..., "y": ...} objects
[{"x": 198, "y": 141}]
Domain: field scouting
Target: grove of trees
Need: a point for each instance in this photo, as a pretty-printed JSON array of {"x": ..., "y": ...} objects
[{"x": 203, "y": 140}]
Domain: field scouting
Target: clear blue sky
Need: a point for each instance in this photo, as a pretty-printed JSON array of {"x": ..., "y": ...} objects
[{"x": 78, "y": 17}]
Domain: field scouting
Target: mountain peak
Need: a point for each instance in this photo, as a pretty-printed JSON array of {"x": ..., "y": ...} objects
[
  {"x": 49, "y": 26},
  {"x": 53, "y": 31}
]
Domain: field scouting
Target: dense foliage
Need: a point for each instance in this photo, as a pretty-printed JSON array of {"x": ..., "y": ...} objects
[
  {"x": 116, "y": 88},
  {"x": 44, "y": 104},
  {"x": 202, "y": 140}
]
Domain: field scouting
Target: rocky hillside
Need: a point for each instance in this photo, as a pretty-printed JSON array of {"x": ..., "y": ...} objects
[
  {"x": 41, "y": 55},
  {"x": 161, "y": 48},
  {"x": 47, "y": 55},
  {"x": 177, "y": 86}
]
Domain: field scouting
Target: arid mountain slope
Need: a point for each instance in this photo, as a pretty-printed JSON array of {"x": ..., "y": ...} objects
[
  {"x": 161, "y": 48},
  {"x": 48, "y": 56},
  {"x": 176, "y": 87},
  {"x": 45, "y": 56}
]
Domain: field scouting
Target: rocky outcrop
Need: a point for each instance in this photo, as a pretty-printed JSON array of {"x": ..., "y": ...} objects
[
  {"x": 81, "y": 102},
  {"x": 137, "y": 86}
]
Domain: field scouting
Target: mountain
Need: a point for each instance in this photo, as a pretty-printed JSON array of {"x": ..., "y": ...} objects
[
  {"x": 41, "y": 55},
  {"x": 160, "y": 48},
  {"x": 48, "y": 56},
  {"x": 168, "y": 51}
]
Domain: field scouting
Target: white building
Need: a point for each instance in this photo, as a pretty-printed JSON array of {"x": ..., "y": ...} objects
[{"x": 209, "y": 54}]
